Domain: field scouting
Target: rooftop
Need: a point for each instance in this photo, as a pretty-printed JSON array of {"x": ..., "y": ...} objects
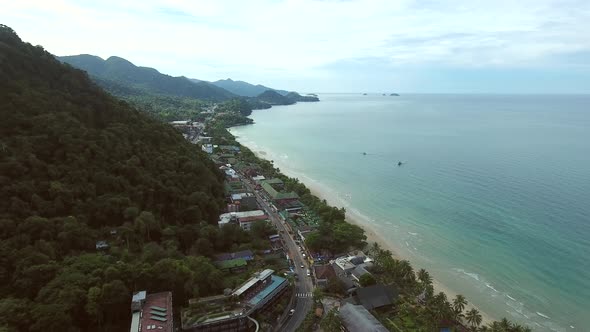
[
  {"x": 275, "y": 282},
  {"x": 246, "y": 254},
  {"x": 357, "y": 318},
  {"x": 252, "y": 281},
  {"x": 323, "y": 272},
  {"x": 156, "y": 313},
  {"x": 227, "y": 217},
  {"x": 376, "y": 296}
]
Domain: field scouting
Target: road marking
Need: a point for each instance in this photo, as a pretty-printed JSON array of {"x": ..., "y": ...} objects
[{"x": 308, "y": 294}]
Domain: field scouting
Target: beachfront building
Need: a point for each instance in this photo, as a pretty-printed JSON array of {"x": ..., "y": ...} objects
[
  {"x": 273, "y": 189},
  {"x": 229, "y": 312},
  {"x": 151, "y": 312},
  {"x": 350, "y": 268}
]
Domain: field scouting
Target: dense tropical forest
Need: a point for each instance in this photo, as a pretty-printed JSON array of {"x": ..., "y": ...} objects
[{"x": 78, "y": 166}]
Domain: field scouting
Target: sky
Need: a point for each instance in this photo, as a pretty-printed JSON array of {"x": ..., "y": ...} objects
[{"x": 427, "y": 46}]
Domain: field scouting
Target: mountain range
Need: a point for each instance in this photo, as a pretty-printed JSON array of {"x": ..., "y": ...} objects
[
  {"x": 121, "y": 77},
  {"x": 119, "y": 72},
  {"x": 245, "y": 89}
]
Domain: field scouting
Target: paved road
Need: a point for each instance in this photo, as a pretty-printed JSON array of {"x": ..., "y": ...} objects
[{"x": 304, "y": 285}]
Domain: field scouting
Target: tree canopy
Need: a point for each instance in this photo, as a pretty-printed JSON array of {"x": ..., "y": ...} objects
[{"x": 78, "y": 166}]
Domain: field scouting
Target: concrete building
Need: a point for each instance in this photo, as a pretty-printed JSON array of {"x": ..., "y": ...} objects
[
  {"x": 151, "y": 312},
  {"x": 243, "y": 218},
  {"x": 229, "y": 312}
]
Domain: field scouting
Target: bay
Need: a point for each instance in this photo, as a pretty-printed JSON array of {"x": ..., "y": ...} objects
[{"x": 492, "y": 197}]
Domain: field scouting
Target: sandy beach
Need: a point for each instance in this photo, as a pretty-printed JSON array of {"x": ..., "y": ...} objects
[{"x": 358, "y": 219}]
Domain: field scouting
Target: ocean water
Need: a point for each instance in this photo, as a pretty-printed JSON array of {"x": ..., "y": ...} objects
[{"x": 493, "y": 197}]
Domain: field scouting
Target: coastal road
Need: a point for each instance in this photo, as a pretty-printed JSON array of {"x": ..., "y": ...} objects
[{"x": 303, "y": 304}]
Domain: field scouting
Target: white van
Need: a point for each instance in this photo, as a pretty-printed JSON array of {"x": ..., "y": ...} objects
[{"x": 308, "y": 273}]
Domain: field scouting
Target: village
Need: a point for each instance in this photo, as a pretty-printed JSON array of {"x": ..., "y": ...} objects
[{"x": 288, "y": 286}]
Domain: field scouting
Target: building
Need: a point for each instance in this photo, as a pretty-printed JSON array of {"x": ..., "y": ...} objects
[
  {"x": 229, "y": 312},
  {"x": 357, "y": 318},
  {"x": 375, "y": 296},
  {"x": 322, "y": 275},
  {"x": 261, "y": 289},
  {"x": 303, "y": 231},
  {"x": 243, "y": 218},
  {"x": 350, "y": 268},
  {"x": 207, "y": 148},
  {"x": 246, "y": 201},
  {"x": 248, "y": 255},
  {"x": 151, "y": 312},
  {"x": 358, "y": 272},
  {"x": 258, "y": 179}
]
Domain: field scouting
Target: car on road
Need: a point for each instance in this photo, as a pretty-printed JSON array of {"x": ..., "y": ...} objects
[
  {"x": 302, "y": 266},
  {"x": 291, "y": 312}
]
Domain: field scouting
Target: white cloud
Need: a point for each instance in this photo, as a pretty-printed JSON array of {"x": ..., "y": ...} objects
[{"x": 214, "y": 39}]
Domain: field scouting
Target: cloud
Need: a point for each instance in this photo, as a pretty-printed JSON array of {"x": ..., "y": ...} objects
[{"x": 279, "y": 41}]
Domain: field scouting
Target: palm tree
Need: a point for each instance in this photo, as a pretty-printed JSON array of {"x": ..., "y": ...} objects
[
  {"x": 424, "y": 277},
  {"x": 505, "y": 324},
  {"x": 459, "y": 303},
  {"x": 473, "y": 317}
]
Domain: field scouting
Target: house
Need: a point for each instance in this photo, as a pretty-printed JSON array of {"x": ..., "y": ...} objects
[
  {"x": 375, "y": 296},
  {"x": 151, "y": 312},
  {"x": 357, "y": 318},
  {"x": 102, "y": 245},
  {"x": 322, "y": 274},
  {"x": 358, "y": 272}
]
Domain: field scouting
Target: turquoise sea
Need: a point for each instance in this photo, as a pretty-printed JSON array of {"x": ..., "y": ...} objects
[{"x": 493, "y": 197}]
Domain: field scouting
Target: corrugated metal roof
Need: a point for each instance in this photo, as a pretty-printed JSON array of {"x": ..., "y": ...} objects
[{"x": 357, "y": 318}]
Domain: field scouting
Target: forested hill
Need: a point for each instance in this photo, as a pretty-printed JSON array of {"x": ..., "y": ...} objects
[
  {"x": 245, "y": 89},
  {"x": 78, "y": 166},
  {"x": 116, "y": 71}
]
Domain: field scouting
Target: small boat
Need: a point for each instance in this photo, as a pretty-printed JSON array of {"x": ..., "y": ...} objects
[
  {"x": 364, "y": 153},
  {"x": 399, "y": 163}
]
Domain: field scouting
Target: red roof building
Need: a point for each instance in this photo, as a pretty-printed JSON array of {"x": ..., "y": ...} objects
[{"x": 152, "y": 312}]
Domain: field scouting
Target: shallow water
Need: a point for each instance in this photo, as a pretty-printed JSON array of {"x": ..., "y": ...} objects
[{"x": 493, "y": 196}]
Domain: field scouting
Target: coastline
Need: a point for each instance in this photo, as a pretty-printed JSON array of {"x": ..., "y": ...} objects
[{"x": 356, "y": 218}]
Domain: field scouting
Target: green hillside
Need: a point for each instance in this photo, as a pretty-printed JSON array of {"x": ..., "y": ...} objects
[
  {"x": 116, "y": 71},
  {"x": 78, "y": 166}
]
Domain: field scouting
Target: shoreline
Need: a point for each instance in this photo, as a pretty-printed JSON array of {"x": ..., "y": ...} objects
[{"x": 356, "y": 218}]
